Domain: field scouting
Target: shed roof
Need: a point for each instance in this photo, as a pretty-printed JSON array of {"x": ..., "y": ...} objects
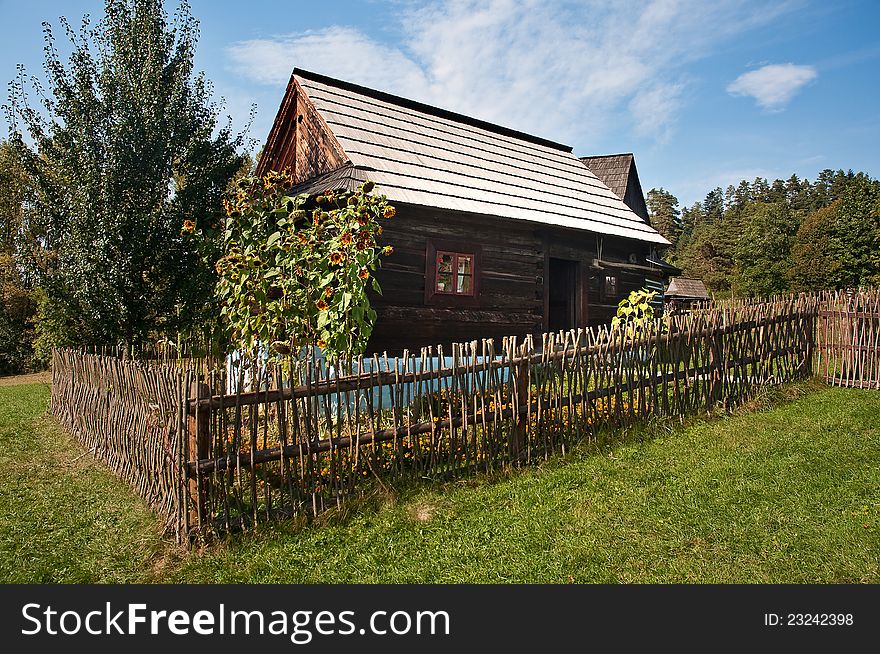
[
  {"x": 422, "y": 155},
  {"x": 686, "y": 287}
]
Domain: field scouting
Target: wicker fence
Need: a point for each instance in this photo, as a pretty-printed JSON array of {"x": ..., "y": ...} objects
[
  {"x": 216, "y": 449},
  {"x": 130, "y": 415},
  {"x": 849, "y": 339}
]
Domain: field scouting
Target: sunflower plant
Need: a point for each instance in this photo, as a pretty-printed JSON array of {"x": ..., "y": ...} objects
[
  {"x": 635, "y": 314},
  {"x": 295, "y": 269}
]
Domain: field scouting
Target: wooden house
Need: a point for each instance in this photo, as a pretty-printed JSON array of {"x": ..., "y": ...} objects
[{"x": 497, "y": 232}]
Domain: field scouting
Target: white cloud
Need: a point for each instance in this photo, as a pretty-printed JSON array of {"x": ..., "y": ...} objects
[
  {"x": 654, "y": 109},
  {"x": 341, "y": 52},
  {"x": 774, "y": 85},
  {"x": 566, "y": 71}
]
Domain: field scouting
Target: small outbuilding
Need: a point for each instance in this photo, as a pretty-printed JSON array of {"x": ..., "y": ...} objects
[{"x": 684, "y": 294}]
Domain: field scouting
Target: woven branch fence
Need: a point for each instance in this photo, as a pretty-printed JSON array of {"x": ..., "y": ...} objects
[{"x": 215, "y": 448}]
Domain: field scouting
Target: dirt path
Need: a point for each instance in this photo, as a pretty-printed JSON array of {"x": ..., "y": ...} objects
[{"x": 44, "y": 377}]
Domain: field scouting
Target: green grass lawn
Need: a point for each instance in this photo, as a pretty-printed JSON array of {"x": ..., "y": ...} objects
[{"x": 789, "y": 494}]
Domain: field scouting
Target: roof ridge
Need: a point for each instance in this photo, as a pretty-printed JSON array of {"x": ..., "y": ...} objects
[
  {"x": 607, "y": 156},
  {"x": 431, "y": 110}
]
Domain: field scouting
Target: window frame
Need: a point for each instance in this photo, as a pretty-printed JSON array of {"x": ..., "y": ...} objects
[
  {"x": 455, "y": 272},
  {"x": 457, "y": 248},
  {"x": 605, "y": 294}
]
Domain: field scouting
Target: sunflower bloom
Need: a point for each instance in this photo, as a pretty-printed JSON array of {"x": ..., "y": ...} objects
[
  {"x": 328, "y": 292},
  {"x": 189, "y": 226},
  {"x": 389, "y": 212},
  {"x": 336, "y": 258},
  {"x": 345, "y": 238},
  {"x": 363, "y": 273},
  {"x": 322, "y": 306}
]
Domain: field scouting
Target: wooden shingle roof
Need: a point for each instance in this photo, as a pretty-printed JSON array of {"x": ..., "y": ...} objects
[
  {"x": 618, "y": 172},
  {"x": 687, "y": 288},
  {"x": 613, "y": 169},
  {"x": 422, "y": 155}
]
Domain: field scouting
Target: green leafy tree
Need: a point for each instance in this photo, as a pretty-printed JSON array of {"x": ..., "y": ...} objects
[
  {"x": 14, "y": 189},
  {"x": 763, "y": 252},
  {"x": 853, "y": 241},
  {"x": 17, "y": 307},
  {"x": 125, "y": 150},
  {"x": 709, "y": 256},
  {"x": 812, "y": 266}
]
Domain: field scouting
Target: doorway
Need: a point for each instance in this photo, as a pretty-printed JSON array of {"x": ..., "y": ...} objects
[{"x": 562, "y": 306}]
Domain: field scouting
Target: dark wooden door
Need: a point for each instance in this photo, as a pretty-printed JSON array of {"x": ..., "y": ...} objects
[{"x": 564, "y": 291}]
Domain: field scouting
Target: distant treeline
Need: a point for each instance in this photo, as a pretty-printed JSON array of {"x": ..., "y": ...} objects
[{"x": 762, "y": 238}]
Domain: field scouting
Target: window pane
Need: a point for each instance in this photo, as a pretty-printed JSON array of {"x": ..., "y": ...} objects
[
  {"x": 464, "y": 284},
  {"x": 444, "y": 262},
  {"x": 444, "y": 282},
  {"x": 464, "y": 265},
  {"x": 611, "y": 285}
]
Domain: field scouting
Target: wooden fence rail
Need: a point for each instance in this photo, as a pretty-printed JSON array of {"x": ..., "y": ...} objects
[{"x": 214, "y": 447}]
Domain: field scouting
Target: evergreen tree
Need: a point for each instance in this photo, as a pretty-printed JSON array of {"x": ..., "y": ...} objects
[
  {"x": 713, "y": 205},
  {"x": 664, "y": 213},
  {"x": 130, "y": 151},
  {"x": 798, "y": 195},
  {"x": 743, "y": 194},
  {"x": 777, "y": 192},
  {"x": 760, "y": 190}
]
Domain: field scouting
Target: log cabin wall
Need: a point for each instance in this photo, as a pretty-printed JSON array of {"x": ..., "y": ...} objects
[
  {"x": 597, "y": 306},
  {"x": 514, "y": 278},
  {"x": 511, "y": 281}
]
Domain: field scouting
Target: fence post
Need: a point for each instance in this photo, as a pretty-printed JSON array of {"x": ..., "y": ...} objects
[
  {"x": 521, "y": 418},
  {"x": 198, "y": 429},
  {"x": 716, "y": 365},
  {"x": 811, "y": 328}
]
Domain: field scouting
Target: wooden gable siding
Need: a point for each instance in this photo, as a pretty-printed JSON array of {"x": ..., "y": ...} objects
[
  {"x": 634, "y": 198},
  {"x": 301, "y": 140}
]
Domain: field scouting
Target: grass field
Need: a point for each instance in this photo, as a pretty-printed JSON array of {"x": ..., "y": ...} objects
[{"x": 787, "y": 494}]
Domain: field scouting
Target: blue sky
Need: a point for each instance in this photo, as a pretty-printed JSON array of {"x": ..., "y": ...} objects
[{"x": 704, "y": 93}]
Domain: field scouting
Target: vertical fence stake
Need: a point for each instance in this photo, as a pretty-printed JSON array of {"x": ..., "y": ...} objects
[
  {"x": 198, "y": 430},
  {"x": 520, "y": 424}
]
